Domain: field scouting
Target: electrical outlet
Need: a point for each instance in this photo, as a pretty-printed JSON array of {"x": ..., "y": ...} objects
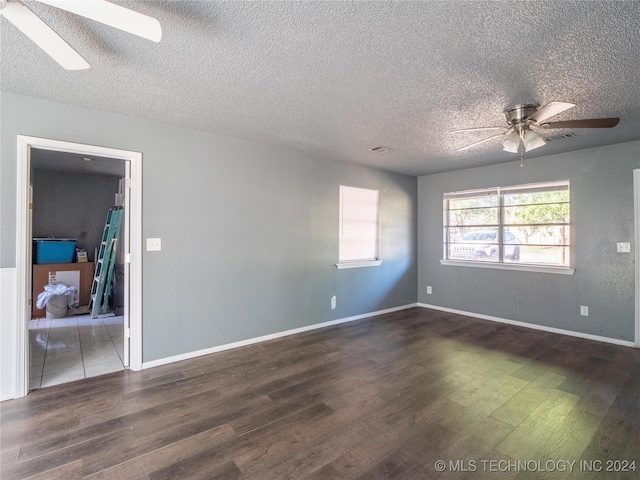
[
  {"x": 623, "y": 247},
  {"x": 429, "y": 290},
  {"x": 154, "y": 245},
  {"x": 333, "y": 302},
  {"x": 584, "y": 310}
]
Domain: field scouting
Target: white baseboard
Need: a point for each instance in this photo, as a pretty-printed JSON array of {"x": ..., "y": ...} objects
[
  {"x": 264, "y": 338},
  {"x": 544, "y": 328}
]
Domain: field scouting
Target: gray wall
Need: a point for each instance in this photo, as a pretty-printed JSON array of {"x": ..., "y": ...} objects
[
  {"x": 601, "y": 215},
  {"x": 249, "y": 232},
  {"x": 72, "y": 205}
]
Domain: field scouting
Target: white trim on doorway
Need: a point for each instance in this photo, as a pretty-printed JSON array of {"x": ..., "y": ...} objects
[
  {"x": 636, "y": 227},
  {"x": 133, "y": 270}
]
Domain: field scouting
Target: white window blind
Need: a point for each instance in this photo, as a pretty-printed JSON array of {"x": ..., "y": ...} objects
[{"x": 358, "y": 224}]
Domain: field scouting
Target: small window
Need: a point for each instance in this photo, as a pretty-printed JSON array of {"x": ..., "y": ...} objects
[
  {"x": 527, "y": 224},
  {"x": 358, "y": 233}
]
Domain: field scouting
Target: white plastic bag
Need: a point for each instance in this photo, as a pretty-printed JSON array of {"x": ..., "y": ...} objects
[{"x": 53, "y": 290}]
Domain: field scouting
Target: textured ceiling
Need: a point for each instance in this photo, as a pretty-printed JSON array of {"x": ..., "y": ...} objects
[{"x": 334, "y": 79}]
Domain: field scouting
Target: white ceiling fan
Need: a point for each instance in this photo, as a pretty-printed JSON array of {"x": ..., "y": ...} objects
[
  {"x": 522, "y": 118},
  {"x": 99, "y": 10}
]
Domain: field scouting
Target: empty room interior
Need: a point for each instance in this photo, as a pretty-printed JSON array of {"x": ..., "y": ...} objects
[{"x": 320, "y": 240}]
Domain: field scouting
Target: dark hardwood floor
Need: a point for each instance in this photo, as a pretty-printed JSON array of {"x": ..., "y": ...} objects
[{"x": 381, "y": 398}]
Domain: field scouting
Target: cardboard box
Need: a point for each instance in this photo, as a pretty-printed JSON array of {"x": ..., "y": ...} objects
[{"x": 41, "y": 275}]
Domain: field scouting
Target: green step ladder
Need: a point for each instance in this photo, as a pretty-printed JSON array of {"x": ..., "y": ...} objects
[{"x": 101, "y": 286}]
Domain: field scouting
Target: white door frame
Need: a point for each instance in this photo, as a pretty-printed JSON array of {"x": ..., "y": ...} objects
[
  {"x": 636, "y": 228},
  {"x": 133, "y": 268}
]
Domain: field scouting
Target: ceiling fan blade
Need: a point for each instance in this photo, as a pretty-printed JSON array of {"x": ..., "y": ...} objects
[
  {"x": 39, "y": 32},
  {"x": 549, "y": 110},
  {"x": 112, "y": 15},
  {"x": 478, "y": 129},
  {"x": 479, "y": 142},
  {"x": 588, "y": 123}
]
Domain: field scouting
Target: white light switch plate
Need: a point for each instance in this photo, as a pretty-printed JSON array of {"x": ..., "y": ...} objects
[
  {"x": 623, "y": 247},
  {"x": 154, "y": 245}
]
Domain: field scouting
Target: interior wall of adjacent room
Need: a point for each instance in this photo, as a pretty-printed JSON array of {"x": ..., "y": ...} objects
[{"x": 72, "y": 205}]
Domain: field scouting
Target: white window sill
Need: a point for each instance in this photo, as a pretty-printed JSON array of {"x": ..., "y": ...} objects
[
  {"x": 511, "y": 266},
  {"x": 368, "y": 263}
]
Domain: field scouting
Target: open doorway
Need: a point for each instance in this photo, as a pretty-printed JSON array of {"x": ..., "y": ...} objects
[
  {"x": 47, "y": 171},
  {"x": 68, "y": 339}
]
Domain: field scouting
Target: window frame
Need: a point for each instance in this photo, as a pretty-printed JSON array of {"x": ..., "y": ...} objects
[
  {"x": 500, "y": 227},
  {"x": 368, "y": 261}
]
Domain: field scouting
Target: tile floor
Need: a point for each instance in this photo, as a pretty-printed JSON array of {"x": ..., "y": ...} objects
[{"x": 72, "y": 348}]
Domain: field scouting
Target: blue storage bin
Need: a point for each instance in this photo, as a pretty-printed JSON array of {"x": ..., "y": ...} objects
[{"x": 53, "y": 250}]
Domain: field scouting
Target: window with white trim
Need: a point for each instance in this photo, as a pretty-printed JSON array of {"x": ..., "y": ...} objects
[
  {"x": 524, "y": 224},
  {"x": 358, "y": 234}
]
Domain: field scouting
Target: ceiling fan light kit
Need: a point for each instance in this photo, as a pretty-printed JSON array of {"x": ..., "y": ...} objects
[
  {"x": 521, "y": 120},
  {"x": 99, "y": 10},
  {"x": 511, "y": 142},
  {"x": 532, "y": 140}
]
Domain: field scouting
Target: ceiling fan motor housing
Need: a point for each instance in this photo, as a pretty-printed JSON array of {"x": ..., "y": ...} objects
[{"x": 517, "y": 116}]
